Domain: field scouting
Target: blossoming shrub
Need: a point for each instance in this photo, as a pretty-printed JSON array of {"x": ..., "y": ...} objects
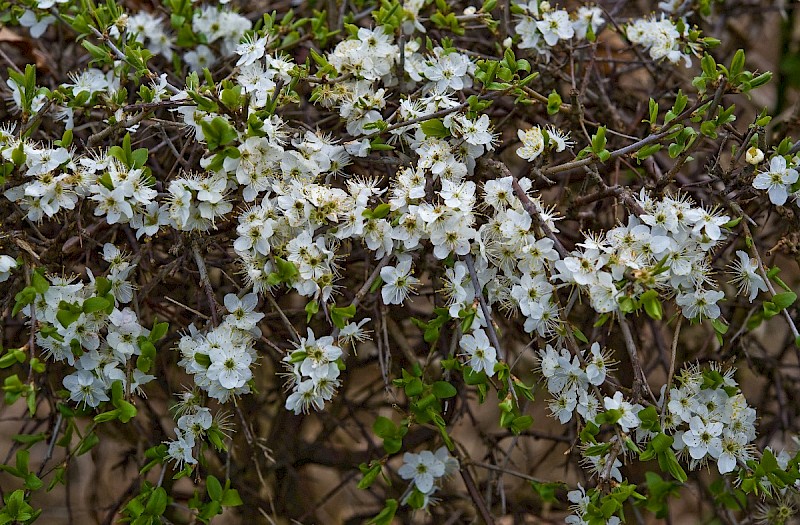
[{"x": 346, "y": 234}]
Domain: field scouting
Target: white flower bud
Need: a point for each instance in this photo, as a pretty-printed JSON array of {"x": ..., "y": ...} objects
[
  {"x": 754, "y": 155},
  {"x": 469, "y": 11},
  {"x": 507, "y": 42}
]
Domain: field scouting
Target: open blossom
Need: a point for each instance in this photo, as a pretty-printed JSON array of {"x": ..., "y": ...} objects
[
  {"x": 532, "y": 143},
  {"x": 85, "y": 388},
  {"x": 629, "y": 418},
  {"x": 398, "y": 282},
  {"x": 555, "y": 26},
  {"x": 250, "y": 50},
  {"x": 701, "y": 437},
  {"x": 7, "y": 263},
  {"x": 242, "y": 314},
  {"x": 776, "y": 180},
  {"x": 230, "y": 366},
  {"x": 746, "y": 276},
  {"x": 700, "y": 303},
  {"x": 422, "y": 468},
  {"x": 483, "y": 356}
]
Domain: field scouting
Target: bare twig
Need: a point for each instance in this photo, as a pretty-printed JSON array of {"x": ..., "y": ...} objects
[{"x": 201, "y": 266}]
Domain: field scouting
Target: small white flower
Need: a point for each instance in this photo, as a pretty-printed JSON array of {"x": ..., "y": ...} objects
[
  {"x": 701, "y": 436},
  {"x": 555, "y": 26},
  {"x": 7, "y": 263},
  {"x": 746, "y": 276},
  {"x": 700, "y": 303},
  {"x": 251, "y": 49},
  {"x": 85, "y": 388},
  {"x": 532, "y": 143},
  {"x": 423, "y": 468},
  {"x": 242, "y": 314},
  {"x": 629, "y": 418},
  {"x": 776, "y": 181},
  {"x": 180, "y": 450},
  {"x": 398, "y": 282},
  {"x": 483, "y": 356}
]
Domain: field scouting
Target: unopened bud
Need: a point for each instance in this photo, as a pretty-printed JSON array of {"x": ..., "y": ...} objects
[
  {"x": 754, "y": 155},
  {"x": 507, "y": 42},
  {"x": 469, "y": 11}
]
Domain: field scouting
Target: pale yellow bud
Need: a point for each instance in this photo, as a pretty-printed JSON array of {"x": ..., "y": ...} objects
[{"x": 754, "y": 155}]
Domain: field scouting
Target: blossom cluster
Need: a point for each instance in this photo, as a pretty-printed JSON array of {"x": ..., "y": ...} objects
[
  {"x": 313, "y": 373},
  {"x": 541, "y": 26},
  {"x": 571, "y": 379},
  {"x": 220, "y": 358},
  {"x": 660, "y": 37},
  {"x": 668, "y": 247},
  {"x": 305, "y": 203},
  {"x": 87, "y": 327},
  {"x": 721, "y": 425}
]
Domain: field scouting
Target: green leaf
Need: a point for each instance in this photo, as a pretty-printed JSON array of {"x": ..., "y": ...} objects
[
  {"x": 231, "y": 498},
  {"x": 553, "y": 103},
  {"x": 392, "y": 446},
  {"x": 218, "y": 132},
  {"x": 157, "y": 502},
  {"x": 647, "y": 151},
  {"x": 384, "y": 427},
  {"x": 547, "y": 490},
  {"x": 29, "y": 439},
  {"x": 652, "y": 305},
  {"x": 95, "y": 304},
  {"x": 88, "y": 443},
  {"x": 521, "y": 423},
  {"x": 649, "y": 418},
  {"x": 709, "y": 66},
  {"x": 601, "y": 321},
  {"x": 599, "y": 140},
  {"x": 381, "y": 211},
  {"x": 471, "y": 377},
  {"x": 444, "y": 390},
  {"x": 312, "y": 307},
  {"x": 435, "y": 128},
  {"x": 159, "y": 330},
  {"x": 111, "y": 415},
  {"x": 784, "y": 300},
  {"x": 719, "y": 326},
  {"x": 126, "y": 411},
  {"x": 214, "y": 488},
  {"x": 39, "y": 282},
  {"x": 737, "y": 64},
  {"x": 202, "y": 359},
  {"x": 67, "y": 317},
  {"x": 216, "y": 437},
  {"x": 653, "y": 110},
  {"x": 23, "y": 298},
  {"x": 414, "y": 387},
  {"x": 385, "y": 516},
  {"x": 673, "y": 467},
  {"x": 102, "y": 286},
  {"x": 340, "y": 315},
  {"x": 370, "y": 476}
]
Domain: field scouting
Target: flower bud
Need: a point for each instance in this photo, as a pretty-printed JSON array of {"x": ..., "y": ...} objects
[
  {"x": 469, "y": 11},
  {"x": 507, "y": 42},
  {"x": 754, "y": 155}
]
